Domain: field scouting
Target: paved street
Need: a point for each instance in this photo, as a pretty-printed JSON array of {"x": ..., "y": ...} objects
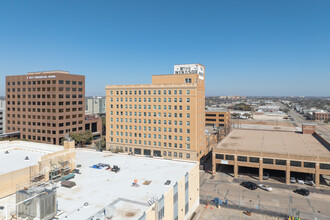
[
  {"x": 280, "y": 200},
  {"x": 228, "y": 214},
  {"x": 321, "y": 128}
]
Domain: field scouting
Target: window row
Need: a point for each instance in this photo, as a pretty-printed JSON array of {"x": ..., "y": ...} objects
[
  {"x": 169, "y": 115},
  {"x": 156, "y": 153},
  {"x": 150, "y": 100},
  {"x": 43, "y": 82},
  {"x": 149, "y": 92},
  {"x": 45, "y": 96},
  {"x": 42, "y": 131},
  {"x": 151, "y": 143},
  {"x": 48, "y": 124},
  {"x": 44, "y": 89},
  {"x": 44, "y": 110},
  {"x": 154, "y": 107},
  {"x": 280, "y": 162},
  {"x": 154, "y": 136},
  {"x": 44, "y": 103}
]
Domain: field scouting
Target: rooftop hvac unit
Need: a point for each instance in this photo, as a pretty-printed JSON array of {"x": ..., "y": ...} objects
[
  {"x": 110, "y": 211},
  {"x": 38, "y": 203}
]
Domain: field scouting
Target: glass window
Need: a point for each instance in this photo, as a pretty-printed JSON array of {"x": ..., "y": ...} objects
[
  {"x": 229, "y": 157},
  {"x": 242, "y": 158},
  {"x": 309, "y": 164},
  {"x": 268, "y": 161},
  {"x": 295, "y": 163},
  {"x": 254, "y": 159},
  {"x": 280, "y": 162}
]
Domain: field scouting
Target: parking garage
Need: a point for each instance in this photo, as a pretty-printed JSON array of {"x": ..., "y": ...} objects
[{"x": 281, "y": 154}]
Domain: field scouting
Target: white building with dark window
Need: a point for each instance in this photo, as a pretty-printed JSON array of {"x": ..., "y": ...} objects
[{"x": 95, "y": 105}]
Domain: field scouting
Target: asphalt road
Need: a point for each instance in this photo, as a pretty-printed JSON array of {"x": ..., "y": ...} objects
[
  {"x": 321, "y": 128},
  {"x": 280, "y": 201}
]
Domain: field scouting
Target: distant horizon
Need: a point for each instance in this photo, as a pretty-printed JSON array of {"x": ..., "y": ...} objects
[{"x": 268, "y": 48}]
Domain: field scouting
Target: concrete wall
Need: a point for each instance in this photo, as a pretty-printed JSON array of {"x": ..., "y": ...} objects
[{"x": 9, "y": 182}]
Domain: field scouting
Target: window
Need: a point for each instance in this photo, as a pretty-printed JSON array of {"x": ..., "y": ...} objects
[
  {"x": 254, "y": 160},
  {"x": 219, "y": 156},
  {"x": 324, "y": 166},
  {"x": 268, "y": 161},
  {"x": 295, "y": 163},
  {"x": 136, "y": 150},
  {"x": 280, "y": 162},
  {"x": 229, "y": 157},
  {"x": 309, "y": 164},
  {"x": 242, "y": 158},
  {"x": 188, "y": 80}
]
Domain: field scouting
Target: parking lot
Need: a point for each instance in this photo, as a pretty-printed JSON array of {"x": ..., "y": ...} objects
[{"x": 280, "y": 201}]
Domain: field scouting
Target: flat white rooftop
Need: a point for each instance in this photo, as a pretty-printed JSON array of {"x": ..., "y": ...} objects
[
  {"x": 13, "y": 154},
  {"x": 101, "y": 187}
]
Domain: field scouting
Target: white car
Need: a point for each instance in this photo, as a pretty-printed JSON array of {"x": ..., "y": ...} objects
[
  {"x": 264, "y": 187},
  {"x": 300, "y": 181}
]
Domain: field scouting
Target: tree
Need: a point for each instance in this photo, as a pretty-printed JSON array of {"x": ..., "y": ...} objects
[
  {"x": 82, "y": 138},
  {"x": 243, "y": 107},
  {"x": 100, "y": 144},
  {"x": 103, "y": 125},
  {"x": 247, "y": 115}
]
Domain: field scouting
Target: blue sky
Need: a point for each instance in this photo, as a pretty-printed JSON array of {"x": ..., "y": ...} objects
[{"x": 249, "y": 47}]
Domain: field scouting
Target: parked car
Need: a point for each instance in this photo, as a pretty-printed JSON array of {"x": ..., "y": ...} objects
[
  {"x": 249, "y": 185},
  {"x": 303, "y": 192},
  {"x": 264, "y": 187},
  {"x": 300, "y": 181},
  {"x": 292, "y": 180},
  {"x": 309, "y": 183},
  {"x": 266, "y": 176}
]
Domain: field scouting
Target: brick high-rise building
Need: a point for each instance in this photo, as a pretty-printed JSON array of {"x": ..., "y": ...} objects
[
  {"x": 45, "y": 106},
  {"x": 165, "y": 118}
]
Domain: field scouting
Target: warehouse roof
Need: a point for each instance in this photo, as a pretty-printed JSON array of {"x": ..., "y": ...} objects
[
  {"x": 280, "y": 142},
  {"x": 98, "y": 188}
]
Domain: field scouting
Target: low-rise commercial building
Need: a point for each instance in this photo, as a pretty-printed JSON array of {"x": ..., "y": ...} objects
[
  {"x": 274, "y": 150},
  {"x": 321, "y": 116},
  {"x": 217, "y": 118},
  {"x": 93, "y": 123},
  {"x": 144, "y": 188}
]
